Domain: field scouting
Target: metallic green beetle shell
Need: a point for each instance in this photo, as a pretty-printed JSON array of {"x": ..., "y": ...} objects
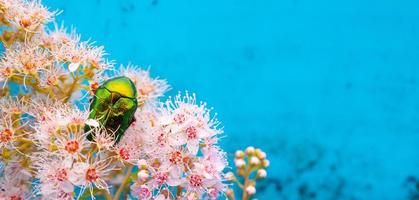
[{"x": 113, "y": 106}]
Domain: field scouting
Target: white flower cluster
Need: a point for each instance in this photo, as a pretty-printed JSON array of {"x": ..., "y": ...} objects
[
  {"x": 169, "y": 151},
  {"x": 180, "y": 147}
]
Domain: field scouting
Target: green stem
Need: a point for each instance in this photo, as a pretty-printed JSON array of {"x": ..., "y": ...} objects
[
  {"x": 71, "y": 89},
  {"x": 107, "y": 195},
  {"x": 124, "y": 183}
]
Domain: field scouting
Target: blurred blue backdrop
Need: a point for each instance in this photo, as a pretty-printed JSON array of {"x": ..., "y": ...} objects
[{"x": 329, "y": 89}]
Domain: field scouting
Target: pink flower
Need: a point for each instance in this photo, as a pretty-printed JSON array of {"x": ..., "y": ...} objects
[
  {"x": 26, "y": 15},
  {"x": 102, "y": 140},
  {"x": 173, "y": 144},
  {"x": 15, "y": 182},
  {"x": 128, "y": 148},
  {"x": 61, "y": 131},
  {"x": 141, "y": 191},
  {"x": 90, "y": 175},
  {"x": 54, "y": 177},
  {"x": 71, "y": 145},
  {"x": 186, "y": 122},
  {"x": 163, "y": 175}
]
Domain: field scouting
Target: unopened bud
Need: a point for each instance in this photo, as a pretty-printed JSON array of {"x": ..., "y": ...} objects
[
  {"x": 143, "y": 175},
  {"x": 254, "y": 160},
  {"x": 265, "y": 163},
  {"x": 260, "y": 154},
  {"x": 192, "y": 196},
  {"x": 142, "y": 164},
  {"x": 230, "y": 176},
  {"x": 261, "y": 173},
  {"x": 239, "y": 154},
  {"x": 239, "y": 163},
  {"x": 251, "y": 190},
  {"x": 230, "y": 194},
  {"x": 250, "y": 150},
  {"x": 257, "y": 151}
]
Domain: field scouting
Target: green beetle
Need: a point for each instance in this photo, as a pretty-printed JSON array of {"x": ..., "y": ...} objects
[{"x": 113, "y": 106}]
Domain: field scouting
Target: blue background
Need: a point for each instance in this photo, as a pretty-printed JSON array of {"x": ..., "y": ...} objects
[{"x": 329, "y": 89}]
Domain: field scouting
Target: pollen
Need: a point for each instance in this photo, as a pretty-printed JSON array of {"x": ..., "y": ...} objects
[
  {"x": 6, "y": 135},
  {"x": 191, "y": 132},
  {"x": 175, "y": 157},
  {"x": 61, "y": 175},
  {"x": 124, "y": 154},
  {"x": 91, "y": 175},
  {"x": 94, "y": 86},
  {"x": 196, "y": 180},
  {"x": 52, "y": 80},
  {"x": 15, "y": 198},
  {"x": 72, "y": 146},
  {"x": 29, "y": 66},
  {"x": 161, "y": 139},
  {"x": 25, "y": 22},
  {"x": 77, "y": 120},
  {"x": 187, "y": 160},
  {"x": 75, "y": 59},
  {"x": 146, "y": 90},
  {"x": 160, "y": 178},
  {"x": 7, "y": 71},
  {"x": 16, "y": 110},
  {"x": 179, "y": 118}
]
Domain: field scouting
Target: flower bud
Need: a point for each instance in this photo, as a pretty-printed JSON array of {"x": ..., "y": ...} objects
[
  {"x": 254, "y": 160},
  {"x": 142, "y": 164},
  {"x": 239, "y": 154},
  {"x": 143, "y": 175},
  {"x": 239, "y": 163},
  {"x": 257, "y": 151},
  {"x": 261, "y": 173},
  {"x": 260, "y": 154},
  {"x": 192, "y": 196},
  {"x": 265, "y": 163},
  {"x": 250, "y": 190},
  {"x": 250, "y": 150},
  {"x": 230, "y": 194},
  {"x": 230, "y": 176},
  {"x": 213, "y": 193}
]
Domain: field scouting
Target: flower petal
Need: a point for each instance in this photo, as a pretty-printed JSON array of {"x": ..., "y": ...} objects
[{"x": 72, "y": 67}]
